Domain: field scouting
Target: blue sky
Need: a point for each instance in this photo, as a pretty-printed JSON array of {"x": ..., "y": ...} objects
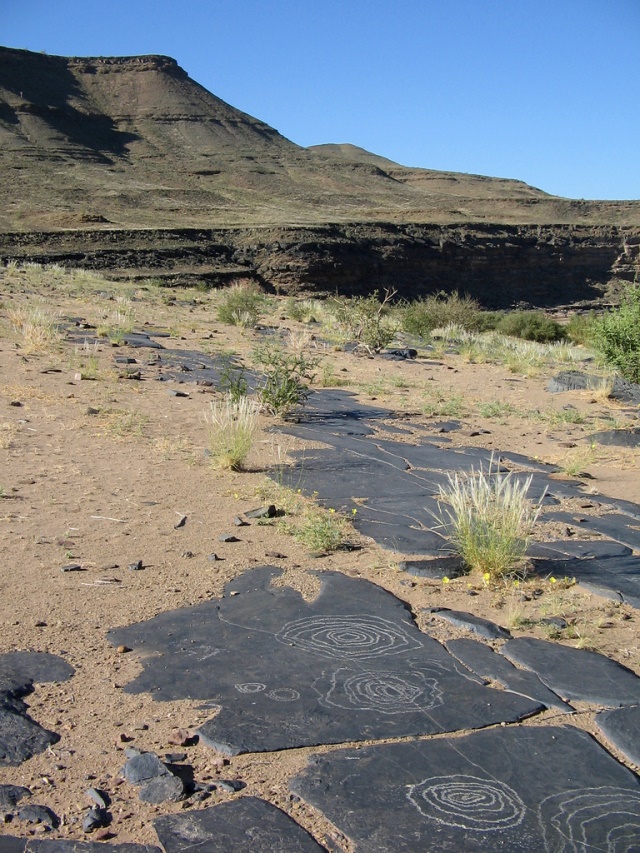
[{"x": 541, "y": 90}]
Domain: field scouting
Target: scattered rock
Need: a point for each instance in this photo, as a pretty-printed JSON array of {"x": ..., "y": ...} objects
[
  {"x": 98, "y": 797},
  {"x": 262, "y": 512},
  {"x": 227, "y": 537},
  {"x": 162, "y": 789},
  {"x": 181, "y": 523},
  {"x": 95, "y": 818},
  {"x": 138, "y": 566},
  {"x": 39, "y": 814}
]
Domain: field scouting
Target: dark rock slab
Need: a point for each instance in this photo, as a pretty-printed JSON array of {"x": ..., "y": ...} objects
[
  {"x": 10, "y": 796},
  {"x": 576, "y": 673},
  {"x": 617, "y": 526},
  {"x": 246, "y": 824},
  {"x": 575, "y": 380},
  {"x": 617, "y": 578},
  {"x": 350, "y": 665},
  {"x": 621, "y": 727},
  {"x": 476, "y": 624},
  {"x": 436, "y": 568},
  {"x": 10, "y": 844},
  {"x": 20, "y": 736},
  {"x": 569, "y": 548},
  {"x": 618, "y": 437},
  {"x": 39, "y": 667},
  {"x": 483, "y": 661},
  {"x": 526, "y": 789}
]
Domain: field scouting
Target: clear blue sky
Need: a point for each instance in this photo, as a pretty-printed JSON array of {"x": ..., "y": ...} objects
[{"x": 541, "y": 90}]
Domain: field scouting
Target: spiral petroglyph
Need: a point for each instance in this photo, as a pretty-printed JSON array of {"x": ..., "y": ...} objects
[
  {"x": 250, "y": 687},
  {"x": 468, "y": 802},
  {"x": 351, "y": 636},
  {"x": 383, "y": 691},
  {"x": 283, "y": 694},
  {"x": 586, "y": 819}
]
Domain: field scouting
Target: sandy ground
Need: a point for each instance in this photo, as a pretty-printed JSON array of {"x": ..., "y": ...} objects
[{"x": 99, "y": 472}]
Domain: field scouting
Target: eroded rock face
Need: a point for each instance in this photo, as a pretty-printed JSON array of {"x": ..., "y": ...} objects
[{"x": 500, "y": 265}]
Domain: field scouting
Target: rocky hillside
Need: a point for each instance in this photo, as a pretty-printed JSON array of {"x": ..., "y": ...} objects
[{"x": 128, "y": 165}]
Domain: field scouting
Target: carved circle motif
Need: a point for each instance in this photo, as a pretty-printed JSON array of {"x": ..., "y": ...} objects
[
  {"x": 468, "y": 802},
  {"x": 350, "y": 636}
]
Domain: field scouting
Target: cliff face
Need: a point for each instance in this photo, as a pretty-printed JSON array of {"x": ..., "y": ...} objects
[{"x": 546, "y": 266}]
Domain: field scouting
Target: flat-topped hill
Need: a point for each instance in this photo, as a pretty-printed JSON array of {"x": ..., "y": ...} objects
[{"x": 135, "y": 142}]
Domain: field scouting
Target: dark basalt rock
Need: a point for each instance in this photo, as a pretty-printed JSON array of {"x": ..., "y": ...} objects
[
  {"x": 524, "y": 789},
  {"x": 476, "y": 624},
  {"x": 246, "y": 824},
  {"x": 10, "y": 844},
  {"x": 20, "y": 736},
  {"x": 576, "y": 673},
  {"x": 621, "y": 727},
  {"x": 436, "y": 568},
  {"x": 618, "y": 437},
  {"x": 482, "y": 660},
  {"x": 350, "y": 665}
]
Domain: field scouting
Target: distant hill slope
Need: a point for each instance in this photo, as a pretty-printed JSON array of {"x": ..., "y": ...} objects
[{"x": 134, "y": 142}]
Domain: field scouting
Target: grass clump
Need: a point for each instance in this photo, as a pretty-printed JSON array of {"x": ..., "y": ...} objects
[
  {"x": 490, "y": 520},
  {"x": 617, "y": 335},
  {"x": 232, "y": 426},
  {"x": 242, "y": 304},
  {"x": 37, "y": 329},
  {"x": 322, "y": 529}
]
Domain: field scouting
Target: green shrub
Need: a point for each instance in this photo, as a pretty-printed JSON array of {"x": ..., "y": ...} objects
[
  {"x": 366, "y": 320},
  {"x": 285, "y": 378},
  {"x": 580, "y": 328},
  {"x": 617, "y": 335},
  {"x": 241, "y": 305},
  {"x": 531, "y": 326},
  {"x": 444, "y": 309},
  {"x": 322, "y": 529}
]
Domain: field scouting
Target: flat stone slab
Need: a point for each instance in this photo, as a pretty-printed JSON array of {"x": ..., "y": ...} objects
[
  {"x": 246, "y": 824},
  {"x": 11, "y": 844},
  {"x": 349, "y": 666},
  {"x": 617, "y": 526},
  {"x": 576, "y": 673},
  {"x": 613, "y": 577},
  {"x": 526, "y": 789},
  {"x": 618, "y": 437},
  {"x": 483, "y": 661},
  {"x": 20, "y": 736},
  {"x": 476, "y": 624},
  {"x": 435, "y": 569},
  {"x": 621, "y": 727}
]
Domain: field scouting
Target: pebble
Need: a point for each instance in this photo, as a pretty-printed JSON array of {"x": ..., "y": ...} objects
[
  {"x": 174, "y": 393},
  {"x": 262, "y": 512},
  {"x": 227, "y": 537},
  {"x": 95, "y": 818},
  {"x": 213, "y": 558},
  {"x": 72, "y": 567},
  {"x": 239, "y": 522},
  {"x": 136, "y": 567},
  {"x": 181, "y": 523}
]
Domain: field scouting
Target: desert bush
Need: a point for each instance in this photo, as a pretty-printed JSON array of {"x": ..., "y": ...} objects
[
  {"x": 580, "y": 328},
  {"x": 241, "y": 304},
  {"x": 531, "y": 326},
  {"x": 439, "y": 310},
  {"x": 617, "y": 335},
  {"x": 285, "y": 377},
  {"x": 489, "y": 519},
  {"x": 232, "y": 425},
  {"x": 366, "y": 320},
  {"x": 232, "y": 381}
]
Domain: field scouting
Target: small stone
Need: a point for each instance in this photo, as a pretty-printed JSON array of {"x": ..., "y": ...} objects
[
  {"x": 98, "y": 797},
  {"x": 16, "y": 403},
  {"x": 164, "y": 789},
  {"x": 187, "y": 554},
  {"x": 122, "y": 650},
  {"x": 182, "y": 737},
  {"x": 213, "y": 558},
  {"x": 72, "y": 567},
  {"x": 95, "y": 818},
  {"x": 227, "y": 537},
  {"x": 143, "y": 767},
  {"x": 239, "y": 522},
  {"x": 276, "y": 555},
  {"x": 174, "y": 393},
  {"x": 39, "y": 814},
  {"x": 91, "y": 410},
  {"x": 174, "y": 757},
  {"x": 262, "y": 512},
  {"x": 230, "y": 785},
  {"x": 136, "y": 567},
  {"x": 181, "y": 523},
  {"x": 40, "y": 624}
]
